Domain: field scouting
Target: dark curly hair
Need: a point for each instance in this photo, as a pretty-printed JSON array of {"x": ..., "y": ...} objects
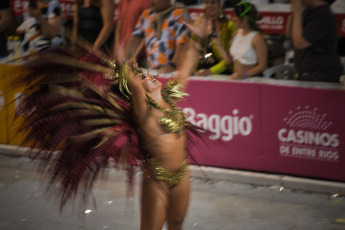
[{"x": 252, "y": 14}]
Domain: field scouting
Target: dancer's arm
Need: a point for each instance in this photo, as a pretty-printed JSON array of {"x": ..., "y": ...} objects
[
  {"x": 189, "y": 61},
  {"x": 117, "y": 36},
  {"x": 132, "y": 46},
  {"x": 188, "y": 64}
]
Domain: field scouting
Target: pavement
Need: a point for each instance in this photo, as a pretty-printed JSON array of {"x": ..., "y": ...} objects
[
  {"x": 238, "y": 176},
  {"x": 220, "y": 200}
]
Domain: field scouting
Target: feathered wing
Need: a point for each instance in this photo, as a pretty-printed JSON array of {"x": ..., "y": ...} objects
[
  {"x": 76, "y": 121},
  {"x": 88, "y": 124}
]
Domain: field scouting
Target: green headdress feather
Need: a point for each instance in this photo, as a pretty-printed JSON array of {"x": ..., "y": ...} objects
[{"x": 247, "y": 5}]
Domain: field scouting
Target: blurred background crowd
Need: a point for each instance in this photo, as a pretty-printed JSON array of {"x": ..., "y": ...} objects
[{"x": 154, "y": 33}]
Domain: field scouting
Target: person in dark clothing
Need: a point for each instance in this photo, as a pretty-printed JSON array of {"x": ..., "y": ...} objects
[
  {"x": 93, "y": 21},
  {"x": 313, "y": 30},
  {"x": 5, "y": 21}
]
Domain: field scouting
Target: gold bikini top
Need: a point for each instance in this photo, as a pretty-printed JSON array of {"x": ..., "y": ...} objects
[{"x": 174, "y": 119}]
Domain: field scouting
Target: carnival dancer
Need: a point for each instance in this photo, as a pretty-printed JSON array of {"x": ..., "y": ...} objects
[
  {"x": 165, "y": 187},
  {"x": 129, "y": 118}
]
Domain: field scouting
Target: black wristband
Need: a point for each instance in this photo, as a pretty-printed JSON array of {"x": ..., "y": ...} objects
[{"x": 172, "y": 64}]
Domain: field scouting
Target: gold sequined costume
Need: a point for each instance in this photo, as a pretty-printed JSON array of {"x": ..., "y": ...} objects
[
  {"x": 161, "y": 174},
  {"x": 174, "y": 121}
]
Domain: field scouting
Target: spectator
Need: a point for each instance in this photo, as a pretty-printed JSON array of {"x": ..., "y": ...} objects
[
  {"x": 29, "y": 28},
  {"x": 218, "y": 26},
  {"x": 128, "y": 15},
  {"x": 313, "y": 30},
  {"x": 165, "y": 35},
  {"x": 43, "y": 25},
  {"x": 5, "y": 22},
  {"x": 93, "y": 21},
  {"x": 248, "y": 50}
]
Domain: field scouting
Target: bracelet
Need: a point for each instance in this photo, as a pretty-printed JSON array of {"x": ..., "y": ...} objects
[
  {"x": 198, "y": 39},
  {"x": 245, "y": 75}
]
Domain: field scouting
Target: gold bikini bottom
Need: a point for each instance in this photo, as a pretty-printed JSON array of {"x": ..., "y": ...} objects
[{"x": 160, "y": 173}]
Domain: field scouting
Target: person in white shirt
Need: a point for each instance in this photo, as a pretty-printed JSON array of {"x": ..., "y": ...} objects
[{"x": 248, "y": 50}]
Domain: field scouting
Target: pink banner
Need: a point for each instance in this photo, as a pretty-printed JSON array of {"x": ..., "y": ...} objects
[
  {"x": 304, "y": 131},
  {"x": 273, "y": 128},
  {"x": 231, "y": 112}
]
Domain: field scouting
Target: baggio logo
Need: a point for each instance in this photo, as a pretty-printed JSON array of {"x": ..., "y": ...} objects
[
  {"x": 307, "y": 136},
  {"x": 222, "y": 127}
]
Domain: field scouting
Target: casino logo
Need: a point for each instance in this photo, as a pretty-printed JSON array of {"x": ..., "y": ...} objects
[{"x": 307, "y": 135}]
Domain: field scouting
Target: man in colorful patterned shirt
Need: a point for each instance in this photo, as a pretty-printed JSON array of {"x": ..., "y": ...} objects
[{"x": 165, "y": 34}]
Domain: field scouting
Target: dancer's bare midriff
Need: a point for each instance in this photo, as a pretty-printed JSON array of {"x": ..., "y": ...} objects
[{"x": 167, "y": 148}]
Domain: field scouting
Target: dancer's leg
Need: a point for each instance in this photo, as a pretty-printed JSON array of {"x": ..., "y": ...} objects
[
  {"x": 178, "y": 203},
  {"x": 154, "y": 203}
]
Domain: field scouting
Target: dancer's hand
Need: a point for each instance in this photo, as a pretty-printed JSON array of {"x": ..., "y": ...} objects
[{"x": 200, "y": 29}]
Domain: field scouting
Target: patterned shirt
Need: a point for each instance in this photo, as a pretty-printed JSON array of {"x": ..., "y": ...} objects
[{"x": 161, "y": 43}]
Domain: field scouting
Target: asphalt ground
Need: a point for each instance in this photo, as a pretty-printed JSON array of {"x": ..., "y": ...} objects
[
  {"x": 224, "y": 199},
  {"x": 240, "y": 176}
]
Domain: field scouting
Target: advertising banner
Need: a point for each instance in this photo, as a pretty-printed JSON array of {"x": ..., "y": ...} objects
[
  {"x": 12, "y": 100},
  {"x": 3, "y": 120},
  {"x": 231, "y": 112},
  {"x": 14, "y": 137},
  {"x": 304, "y": 131}
]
